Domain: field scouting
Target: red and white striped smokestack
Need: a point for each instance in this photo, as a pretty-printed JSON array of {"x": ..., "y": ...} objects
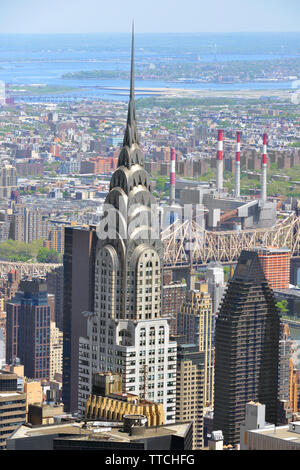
[
  {"x": 238, "y": 164},
  {"x": 219, "y": 165},
  {"x": 263, "y": 194},
  {"x": 172, "y": 178}
]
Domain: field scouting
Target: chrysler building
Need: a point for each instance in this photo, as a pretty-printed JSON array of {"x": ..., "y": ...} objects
[{"x": 126, "y": 332}]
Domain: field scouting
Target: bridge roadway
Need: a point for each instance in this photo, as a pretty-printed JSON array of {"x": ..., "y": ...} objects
[
  {"x": 188, "y": 245},
  {"x": 27, "y": 269}
]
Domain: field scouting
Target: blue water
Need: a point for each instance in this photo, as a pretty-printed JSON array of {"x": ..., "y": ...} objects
[{"x": 43, "y": 59}]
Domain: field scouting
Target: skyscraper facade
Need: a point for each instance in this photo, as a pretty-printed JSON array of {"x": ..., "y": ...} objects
[
  {"x": 55, "y": 284},
  {"x": 56, "y": 350},
  {"x": 246, "y": 348},
  {"x": 286, "y": 346},
  {"x": 214, "y": 276},
  {"x": 276, "y": 265},
  {"x": 27, "y": 224},
  {"x": 12, "y": 406},
  {"x": 195, "y": 323},
  {"x": 189, "y": 390},
  {"x": 78, "y": 297},
  {"x": 173, "y": 296},
  {"x": 8, "y": 180},
  {"x": 126, "y": 332},
  {"x": 28, "y": 329}
]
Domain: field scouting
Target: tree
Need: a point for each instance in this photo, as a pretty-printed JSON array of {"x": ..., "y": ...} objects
[
  {"x": 47, "y": 256},
  {"x": 282, "y": 306}
]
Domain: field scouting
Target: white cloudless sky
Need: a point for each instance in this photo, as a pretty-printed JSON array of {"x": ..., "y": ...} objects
[{"x": 154, "y": 16}]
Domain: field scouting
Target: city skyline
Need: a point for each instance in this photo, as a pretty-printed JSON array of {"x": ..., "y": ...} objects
[{"x": 150, "y": 250}]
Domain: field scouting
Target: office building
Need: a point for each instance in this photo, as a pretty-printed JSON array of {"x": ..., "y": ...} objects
[
  {"x": 55, "y": 285},
  {"x": 68, "y": 435},
  {"x": 277, "y": 438},
  {"x": 105, "y": 383},
  {"x": 136, "y": 437},
  {"x": 12, "y": 406},
  {"x": 285, "y": 353},
  {"x": 43, "y": 413},
  {"x": 246, "y": 348},
  {"x": 17, "y": 369},
  {"x": 294, "y": 387},
  {"x": 27, "y": 225},
  {"x": 190, "y": 389},
  {"x": 214, "y": 277},
  {"x": 8, "y": 181},
  {"x": 56, "y": 238},
  {"x": 195, "y": 323},
  {"x": 254, "y": 419},
  {"x": 126, "y": 331},
  {"x": 257, "y": 434},
  {"x": 34, "y": 393},
  {"x": 173, "y": 297},
  {"x": 56, "y": 350},
  {"x": 276, "y": 265},
  {"x": 78, "y": 297},
  {"x": 28, "y": 329},
  {"x": 31, "y": 387}
]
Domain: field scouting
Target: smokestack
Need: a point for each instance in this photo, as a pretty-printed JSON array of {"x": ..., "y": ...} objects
[
  {"x": 238, "y": 164},
  {"x": 263, "y": 191},
  {"x": 220, "y": 162},
  {"x": 172, "y": 178}
]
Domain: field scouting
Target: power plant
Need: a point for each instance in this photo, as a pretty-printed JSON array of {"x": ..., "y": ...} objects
[
  {"x": 221, "y": 210},
  {"x": 209, "y": 224}
]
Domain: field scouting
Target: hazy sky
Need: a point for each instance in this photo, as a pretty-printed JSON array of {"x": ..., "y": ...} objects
[{"x": 88, "y": 16}]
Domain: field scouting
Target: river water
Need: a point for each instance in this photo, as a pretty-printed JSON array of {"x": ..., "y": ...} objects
[{"x": 43, "y": 59}]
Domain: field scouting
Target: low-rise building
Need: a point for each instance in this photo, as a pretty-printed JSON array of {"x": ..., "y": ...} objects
[
  {"x": 106, "y": 436},
  {"x": 12, "y": 406}
]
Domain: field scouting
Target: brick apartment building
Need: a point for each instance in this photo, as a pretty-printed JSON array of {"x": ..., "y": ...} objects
[{"x": 99, "y": 165}]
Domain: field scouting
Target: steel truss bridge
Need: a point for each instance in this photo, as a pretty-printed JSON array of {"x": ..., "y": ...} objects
[
  {"x": 188, "y": 244},
  {"x": 26, "y": 269}
]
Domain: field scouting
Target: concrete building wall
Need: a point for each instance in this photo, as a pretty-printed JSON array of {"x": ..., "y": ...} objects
[
  {"x": 79, "y": 260},
  {"x": 13, "y": 413},
  {"x": 190, "y": 390}
]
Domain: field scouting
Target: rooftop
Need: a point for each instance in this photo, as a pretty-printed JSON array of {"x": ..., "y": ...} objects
[
  {"x": 91, "y": 430},
  {"x": 286, "y": 432},
  {"x": 271, "y": 249},
  {"x": 11, "y": 394}
]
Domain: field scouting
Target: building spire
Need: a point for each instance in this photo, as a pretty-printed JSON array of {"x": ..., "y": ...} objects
[
  {"x": 130, "y": 136},
  {"x": 132, "y": 65}
]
